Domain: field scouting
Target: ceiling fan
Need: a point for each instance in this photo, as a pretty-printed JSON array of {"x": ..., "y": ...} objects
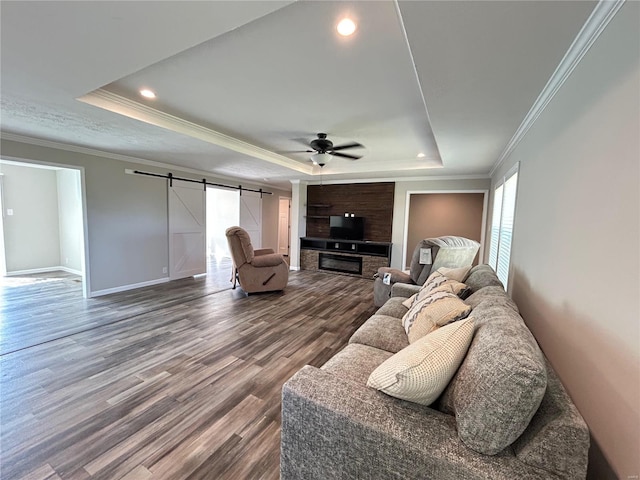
[{"x": 323, "y": 150}]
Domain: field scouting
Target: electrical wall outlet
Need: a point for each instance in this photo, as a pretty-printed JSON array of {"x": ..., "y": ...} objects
[
  {"x": 9, "y": 211},
  {"x": 164, "y": 269}
]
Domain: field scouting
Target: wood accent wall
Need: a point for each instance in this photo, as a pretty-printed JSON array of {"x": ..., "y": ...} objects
[{"x": 373, "y": 201}]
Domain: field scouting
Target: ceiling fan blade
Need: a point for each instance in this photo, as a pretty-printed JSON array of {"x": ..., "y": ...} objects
[
  {"x": 296, "y": 151},
  {"x": 346, "y": 155},
  {"x": 302, "y": 141},
  {"x": 348, "y": 145}
]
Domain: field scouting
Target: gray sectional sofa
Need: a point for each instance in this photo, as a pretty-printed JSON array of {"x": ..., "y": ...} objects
[{"x": 504, "y": 415}]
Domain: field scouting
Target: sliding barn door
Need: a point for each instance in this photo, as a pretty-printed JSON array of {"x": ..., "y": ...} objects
[
  {"x": 187, "y": 230},
  {"x": 251, "y": 216}
]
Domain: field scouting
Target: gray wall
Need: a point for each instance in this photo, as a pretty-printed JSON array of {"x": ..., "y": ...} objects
[
  {"x": 575, "y": 254},
  {"x": 32, "y": 232},
  {"x": 126, "y": 214},
  {"x": 70, "y": 218}
]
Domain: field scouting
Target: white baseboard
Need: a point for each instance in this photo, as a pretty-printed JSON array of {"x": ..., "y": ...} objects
[
  {"x": 44, "y": 270},
  {"x": 71, "y": 270},
  {"x": 124, "y": 288}
]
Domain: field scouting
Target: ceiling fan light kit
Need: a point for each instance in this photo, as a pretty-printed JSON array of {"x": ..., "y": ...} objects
[{"x": 321, "y": 159}]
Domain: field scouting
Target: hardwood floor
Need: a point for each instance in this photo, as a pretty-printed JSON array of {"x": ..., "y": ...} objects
[
  {"x": 172, "y": 389},
  {"x": 29, "y": 318}
]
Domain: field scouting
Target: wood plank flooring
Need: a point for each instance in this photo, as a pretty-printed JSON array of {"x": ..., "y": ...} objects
[
  {"x": 29, "y": 316},
  {"x": 184, "y": 389}
]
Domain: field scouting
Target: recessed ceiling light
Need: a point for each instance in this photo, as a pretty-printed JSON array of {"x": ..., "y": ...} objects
[
  {"x": 421, "y": 155},
  {"x": 145, "y": 92},
  {"x": 346, "y": 27}
]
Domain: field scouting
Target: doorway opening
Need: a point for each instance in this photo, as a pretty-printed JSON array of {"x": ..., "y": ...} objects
[
  {"x": 284, "y": 226},
  {"x": 223, "y": 211},
  {"x": 43, "y": 223}
]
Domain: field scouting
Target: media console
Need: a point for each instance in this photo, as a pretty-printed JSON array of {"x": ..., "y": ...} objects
[{"x": 350, "y": 257}]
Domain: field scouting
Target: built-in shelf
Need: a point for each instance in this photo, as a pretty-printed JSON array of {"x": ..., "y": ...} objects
[{"x": 317, "y": 213}]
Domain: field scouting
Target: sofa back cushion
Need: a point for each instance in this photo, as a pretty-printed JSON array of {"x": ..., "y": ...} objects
[
  {"x": 557, "y": 439},
  {"x": 482, "y": 276},
  {"x": 501, "y": 381},
  {"x": 493, "y": 293}
]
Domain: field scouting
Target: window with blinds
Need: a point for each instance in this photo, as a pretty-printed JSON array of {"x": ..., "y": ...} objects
[{"x": 504, "y": 208}]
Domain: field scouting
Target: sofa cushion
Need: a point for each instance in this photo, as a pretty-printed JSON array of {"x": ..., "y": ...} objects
[
  {"x": 394, "y": 307},
  {"x": 420, "y": 372},
  {"x": 501, "y": 381},
  {"x": 491, "y": 294},
  {"x": 557, "y": 438},
  {"x": 355, "y": 362},
  {"x": 383, "y": 332},
  {"x": 482, "y": 276},
  {"x": 435, "y": 310}
]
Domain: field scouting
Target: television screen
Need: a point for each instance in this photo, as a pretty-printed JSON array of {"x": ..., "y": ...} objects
[{"x": 346, "y": 228}]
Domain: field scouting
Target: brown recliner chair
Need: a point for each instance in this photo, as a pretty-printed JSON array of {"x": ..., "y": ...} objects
[
  {"x": 259, "y": 270},
  {"x": 448, "y": 251}
]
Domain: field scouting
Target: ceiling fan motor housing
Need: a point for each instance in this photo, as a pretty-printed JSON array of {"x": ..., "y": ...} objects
[{"x": 321, "y": 144}]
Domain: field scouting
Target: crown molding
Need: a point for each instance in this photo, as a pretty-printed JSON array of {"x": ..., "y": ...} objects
[
  {"x": 600, "y": 17},
  {"x": 328, "y": 181},
  {"x": 122, "y": 158},
  {"x": 123, "y": 106}
]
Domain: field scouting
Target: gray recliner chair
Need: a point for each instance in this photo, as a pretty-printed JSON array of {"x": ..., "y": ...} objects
[{"x": 429, "y": 255}]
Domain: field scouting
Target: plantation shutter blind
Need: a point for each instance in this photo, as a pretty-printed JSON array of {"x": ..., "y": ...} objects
[
  {"x": 495, "y": 228},
  {"x": 506, "y": 228}
]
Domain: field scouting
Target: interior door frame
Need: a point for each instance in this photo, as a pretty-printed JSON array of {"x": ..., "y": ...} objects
[
  {"x": 288, "y": 224},
  {"x": 84, "y": 254},
  {"x": 405, "y": 234}
]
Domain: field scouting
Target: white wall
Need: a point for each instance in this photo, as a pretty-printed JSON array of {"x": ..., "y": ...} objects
[
  {"x": 575, "y": 255},
  {"x": 70, "y": 219},
  {"x": 31, "y": 234},
  {"x": 298, "y": 220},
  {"x": 126, "y": 214}
]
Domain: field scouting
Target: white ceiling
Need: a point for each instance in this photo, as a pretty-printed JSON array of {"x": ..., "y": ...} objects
[{"x": 239, "y": 82}]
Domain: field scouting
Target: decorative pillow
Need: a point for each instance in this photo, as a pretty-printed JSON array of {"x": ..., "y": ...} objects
[
  {"x": 451, "y": 286},
  {"x": 457, "y": 274},
  {"x": 420, "y": 372},
  {"x": 436, "y": 310},
  {"x": 435, "y": 280}
]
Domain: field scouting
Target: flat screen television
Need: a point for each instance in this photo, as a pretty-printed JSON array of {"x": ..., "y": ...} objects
[{"x": 346, "y": 228}]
